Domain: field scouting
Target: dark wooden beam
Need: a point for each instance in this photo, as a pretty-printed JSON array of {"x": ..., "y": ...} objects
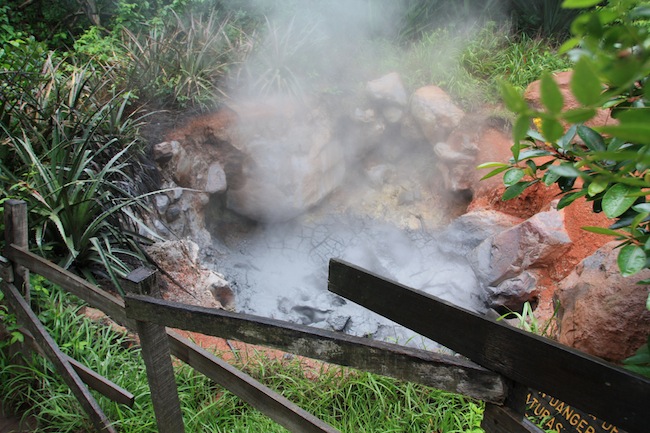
[
  {"x": 28, "y": 319},
  {"x": 591, "y": 384},
  {"x": 444, "y": 372},
  {"x": 267, "y": 401},
  {"x": 94, "y": 380},
  {"x": 501, "y": 419},
  {"x": 160, "y": 375},
  {"x": 93, "y": 295}
]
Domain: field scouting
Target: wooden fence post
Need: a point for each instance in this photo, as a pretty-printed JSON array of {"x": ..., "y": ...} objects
[
  {"x": 157, "y": 358},
  {"x": 509, "y": 418},
  {"x": 16, "y": 232}
]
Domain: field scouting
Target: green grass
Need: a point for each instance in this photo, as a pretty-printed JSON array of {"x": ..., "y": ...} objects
[
  {"x": 350, "y": 400},
  {"x": 468, "y": 65}
]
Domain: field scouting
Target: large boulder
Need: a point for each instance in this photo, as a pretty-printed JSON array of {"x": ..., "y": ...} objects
[
  {"x": 435, "y": 113},
  {"x": 602, "y": 312},
  {"x": 291, "y": 163}
]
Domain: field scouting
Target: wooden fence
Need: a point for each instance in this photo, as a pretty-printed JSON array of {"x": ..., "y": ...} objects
[{"x": 504, "y": 363}]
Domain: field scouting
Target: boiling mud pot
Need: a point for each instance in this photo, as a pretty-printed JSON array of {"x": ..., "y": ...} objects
[{"x": 280, "y": 272}]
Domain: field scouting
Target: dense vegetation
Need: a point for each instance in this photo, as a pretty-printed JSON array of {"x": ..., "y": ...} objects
[
  {"x": 80, "y": 78},
  {"x": 607, "y": 165}
]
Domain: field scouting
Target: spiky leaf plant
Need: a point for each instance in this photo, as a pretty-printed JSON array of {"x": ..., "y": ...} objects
[
  {"x": 69, "y": 143},
  {"x": 180, "y": 63}
]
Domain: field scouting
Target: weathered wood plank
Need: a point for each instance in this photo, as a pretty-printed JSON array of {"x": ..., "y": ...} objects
[
  {"x": 17, "y": 232},
  {"x": 501, "y": 419},
  {"x": 99, "y": 383},
  {"x": 267, "y": 401},
  {"x": 28, "y": 319},
  {"x": 593, "y": 385},
  {"x": 91, "y": 378},
  {"x": 93, "y": 295},
  {"x": 444, "y": 372},
  {"x": 160, "y": 375}
]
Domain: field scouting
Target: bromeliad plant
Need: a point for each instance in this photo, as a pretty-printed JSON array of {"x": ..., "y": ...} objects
[
  {"x": 608, "y": 165},
  {"x": 67, "y": 150}
]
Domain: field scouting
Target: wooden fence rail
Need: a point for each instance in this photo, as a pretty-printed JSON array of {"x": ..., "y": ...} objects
[
  {"x": 503, "y": 361},
  {"x": 591, "y": 384}
]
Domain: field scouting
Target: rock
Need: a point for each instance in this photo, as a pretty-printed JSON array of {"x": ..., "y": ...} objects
[
  {"x": 287, "y": 169},
  {"x": 563, "y": 79},
  {"x": 388, "y": 89},
  {"x": 470, "y": 229},
  {"x": 435, "y": 113},
  {"x": 162, "y": 202},
  {"x": 190, "y": 169},
  {"x": 533, "y": 243},
  {"x": 601, "y": 312},
  {"x": 165, "y": 151},
  {"x": 172, "y": 214},
  {"x": 513, "y": 292},
  {"x": 190, "y": 282},
  {"x": 447, "y": 155},
  {"x": 379, "y": 174},
  {"x": 367, "y": 129},
  {"x": 220, "y": 289},
  {"x": 456, "y": 176},
  {"x": 216, "y": 179},
  {"x": 393, "y": 114}
]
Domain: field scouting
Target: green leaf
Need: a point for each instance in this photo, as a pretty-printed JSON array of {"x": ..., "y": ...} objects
[
  {"x": 552, "y": 130},
  {"x": 512, "y": 97},
  {"x": 570, "y": 198},
  {"x": 585, "y": 84},
  {"x": 551, "y": 96},
  {"x": 579, "y": 4},
  {"x": 593, "y": 140},
  {"x": 515, "y": 190},
  {"x": 578, "y": 115},
  {"x": 495, "y": 172},
  {"x": 642, "y": 207},
  {"x": 533, "y": 153},
  {"x": 642, "y": 356},
  {"x": 617, "y": 200},
  {"x": 597, "y": 186},
  {"x": 633, "y": 132},
  {"x": 492, "y": 165},
  {"x": 564, "y": 141},
  {"x": 550, "y": 178},
  {"x": 513, "y": 176},
  {"x": 602, "y": 231},
  {"x": 565, "y": 169},
  {"x": 631, "y": 259},
  {"x": 568, "y": 45},
  {"x": 520, "y": 128}
]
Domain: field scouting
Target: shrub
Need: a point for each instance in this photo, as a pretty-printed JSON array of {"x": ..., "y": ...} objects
[
  {"x": 69, "y": 143},
  {"x": 180, "y": 63},
  {"x": 611, "y": 48}
]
